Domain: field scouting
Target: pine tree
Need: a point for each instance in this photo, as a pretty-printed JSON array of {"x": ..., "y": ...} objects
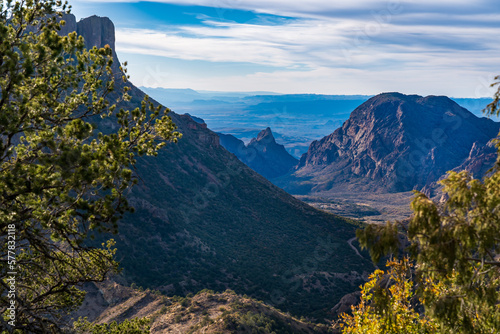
[{"x": 61, "y": 178}]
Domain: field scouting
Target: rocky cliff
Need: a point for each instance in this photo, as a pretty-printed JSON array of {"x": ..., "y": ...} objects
[
  {"x": 97, "y": 31},
  {"x": 394, "y": 143}
]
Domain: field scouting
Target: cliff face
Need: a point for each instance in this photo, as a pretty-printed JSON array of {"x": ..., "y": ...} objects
[
  {"x": 394, "y": 142},
  {"x": 233, "y": 145},
  {"x": 70, "y": 24},
  {"x": 480, "y": 159},
  {"x": 263, "y": 154},
  {"x": 97, "y": 31}
]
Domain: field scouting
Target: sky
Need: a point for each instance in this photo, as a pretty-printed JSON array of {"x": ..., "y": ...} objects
[{"x": 425, "y": 47}]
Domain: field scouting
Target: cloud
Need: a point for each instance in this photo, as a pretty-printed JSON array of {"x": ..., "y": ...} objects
[
  {"x": 208, "y": 48},
  {"x": 328, "y": 8},
  {"x": 313, "y": 43},
  {"x": 356, "y": 44}
]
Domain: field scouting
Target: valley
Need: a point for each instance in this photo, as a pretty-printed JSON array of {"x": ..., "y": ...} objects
[
  {"x": 367, "y": 168},
  {"x": 367, "y": 207}
]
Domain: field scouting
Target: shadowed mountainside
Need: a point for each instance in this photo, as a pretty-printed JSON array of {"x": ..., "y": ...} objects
[{"x": 262, "y": 154}]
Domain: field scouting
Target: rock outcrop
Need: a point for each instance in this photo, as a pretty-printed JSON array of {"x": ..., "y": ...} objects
[
  {"x": 345, "y": 304},
  {"x": 97, "y": 31}
]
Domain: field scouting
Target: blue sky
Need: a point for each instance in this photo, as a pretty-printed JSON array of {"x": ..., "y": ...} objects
[{"x": 445, "y": 47}]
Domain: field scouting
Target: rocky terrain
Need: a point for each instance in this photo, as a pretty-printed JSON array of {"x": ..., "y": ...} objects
[
  {"x": 205, "y": 312},
  {"x": 262, "y": 154},
  {"x": 395, "y": 143}
]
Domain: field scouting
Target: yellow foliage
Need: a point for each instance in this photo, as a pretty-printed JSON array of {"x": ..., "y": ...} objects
[{"x": 387, "y": 304}]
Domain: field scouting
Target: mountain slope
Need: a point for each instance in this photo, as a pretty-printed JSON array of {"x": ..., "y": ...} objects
[
  {"x": 233, "y": 145},
  {"x": 205, "y": 220},
  {"x": 393, "y": 143},
  {"x": 262, "y": 154}
]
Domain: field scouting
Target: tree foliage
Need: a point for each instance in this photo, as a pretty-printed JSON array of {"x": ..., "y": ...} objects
[
  {"x": 388, "y": 304},
  {"x": 455, "y": 245},
  {"x": 132, "y": 326},
  {"x": 61, "y": 177}
]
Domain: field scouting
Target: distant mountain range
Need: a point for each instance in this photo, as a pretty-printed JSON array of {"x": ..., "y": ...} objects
[
  {"x": 203, "y": 219},
  {"x": 296, "y": 119},
  {"x": 395, "y": 143},
  {"x": 174, "y": 96},
  {"x": 262, "y": 154}
]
